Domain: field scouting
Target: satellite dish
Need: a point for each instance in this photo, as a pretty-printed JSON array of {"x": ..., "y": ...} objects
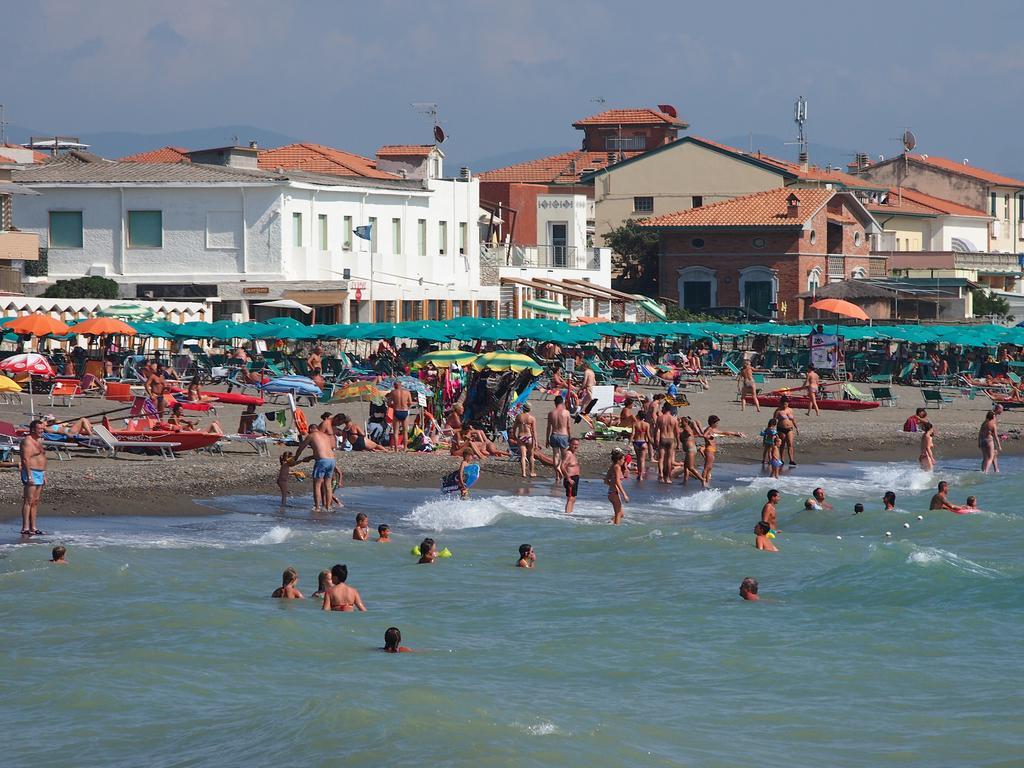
[
  {"x": 909, "y": 140},
  {"x": 668, "y": 109},
  {"x": 438, "y": 134}
]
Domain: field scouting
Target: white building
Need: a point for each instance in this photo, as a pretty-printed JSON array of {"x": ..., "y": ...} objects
[{"x": 222, "y": 228}]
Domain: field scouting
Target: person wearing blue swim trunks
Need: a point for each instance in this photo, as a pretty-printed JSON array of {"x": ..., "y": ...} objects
[
  {"x": 557, "y": 435},
  {"x": 33, "y": 476},
  {"x": 322, "y": 446}
]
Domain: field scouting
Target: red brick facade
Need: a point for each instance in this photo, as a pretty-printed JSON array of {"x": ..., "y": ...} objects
[
  {"x": 790, "y": 253},
  {"x": 522, "y": 200}
]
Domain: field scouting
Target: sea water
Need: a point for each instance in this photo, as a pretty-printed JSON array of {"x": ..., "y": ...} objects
[{"x": 159, "y": 645}]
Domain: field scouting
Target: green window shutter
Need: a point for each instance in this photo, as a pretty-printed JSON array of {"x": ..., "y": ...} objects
[
  {"x": 992, "y": 201},
  {"x": 145, "y": 229},
  {"x": 322, "y": 221},
  {"x": 297, "y": 230},
  {"x": 65, "y": 229},
  {"x": 421, "y": 236},
  {"x": 347, "y": 242},
  {"x": 373, "y": 234},
  {"x": 396, "y": 236}
]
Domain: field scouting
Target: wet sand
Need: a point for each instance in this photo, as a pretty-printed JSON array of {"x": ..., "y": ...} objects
[{"x": 88, "y": 484}]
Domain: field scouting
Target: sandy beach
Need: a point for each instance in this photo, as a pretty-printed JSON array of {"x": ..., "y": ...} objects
[{"x": 88, "y": 484}]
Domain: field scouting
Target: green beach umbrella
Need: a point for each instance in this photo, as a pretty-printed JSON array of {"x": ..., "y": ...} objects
[
  {"x": 444, "y": 358},
  {"x": 507, "y": 361},
  {"x": 127, "y": 312},
  {"x": 547, "y": 307}
]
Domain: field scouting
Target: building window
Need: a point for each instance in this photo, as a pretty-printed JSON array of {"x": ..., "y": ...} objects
[
  {"x": 487, "y": 309},
  {"x": 462, "y": 237},
  {"x": 643, "y": 205},
  {"x": 373, "y": 234},
  {"x": 421, "y": 236},
  {"x": 814, "y": 280},
  {"x": 697, "y": 201},
  {"x": 698, "y": 288},
  {"x": 630, "y": 143},
  {"x": 396, "y": 236},
  {"x": 321, "y": 222},
  {"x": 759, "y": 287},
  {"x": 384, "y": 312},
  {"x": 442, "y": 237},
  {"x": 437, "y": 309},
  {"x": 145, "y": 229},
  {"x": 1006, "y": 207},
  {"x": 813, "y": 237},
  {"x": 412, "y": 310},
  {"x": 856, "y": 238},
  {"x": 992, "y": 203},
  {"x": 65, "y": 229},
  {"x": 297, "y": 229},
  {"x": 697, "y": 242},
  {"x": 346, "y": 242},
  {"x": 462, "y": 309},
  {"x": 758, "y": 242}
]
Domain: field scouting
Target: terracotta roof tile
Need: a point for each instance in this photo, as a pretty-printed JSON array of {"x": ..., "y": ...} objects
[
  {"x": 37, "y": 156},
  {"x": 914, "y": 201},
  {"x": 162, "y": 155},
  {"x": 564, "y": 168},
  {"x": 316, "y": 158},
  {"x": 816, "y": 173},
  {"x": 405, "y": 150},
  {"x": 968, "y": 170},
  {"x": 761, "y": 209},
  {"x": 630, "y": 117}
]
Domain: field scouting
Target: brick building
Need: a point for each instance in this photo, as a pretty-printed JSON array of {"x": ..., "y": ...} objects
[{"x": 764, "y": 249}]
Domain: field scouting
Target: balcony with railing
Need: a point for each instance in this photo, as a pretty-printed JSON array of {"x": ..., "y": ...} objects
[
  {"x": 981, "y": 262},
  {"x": 546, "y": 256}
]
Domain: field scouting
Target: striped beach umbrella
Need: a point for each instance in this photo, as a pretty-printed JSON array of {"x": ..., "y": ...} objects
[
  {"x": 358, "y": 391},
  {"x": 30, "y": 362},
  {"x": 127, "y": 312},
  {"x": 507, "y": 361},
  {"x": 444, "y": 358},
  {"x": 546, "y": 307}
]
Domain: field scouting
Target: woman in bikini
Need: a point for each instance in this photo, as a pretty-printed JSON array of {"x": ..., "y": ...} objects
[
  {"x": 710, "y": 449},
  {"x": 927, "y": 457},
  {"x": 640, "y": 436},
  {"x": 691, "y": 431},
  {"x": 613, "y": 479}
]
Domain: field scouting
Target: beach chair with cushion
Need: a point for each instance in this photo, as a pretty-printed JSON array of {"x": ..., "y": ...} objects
[
  {"x": 120, "y": 392},
  {"x": 66, "y": 391},
  {"x": 884, "y": 395},
  {"x": 112, "y": 444},
  {"x": 935, "y": 397},
  {"x": 855, "y": 394},
  {"x": 9, "y": 435}
]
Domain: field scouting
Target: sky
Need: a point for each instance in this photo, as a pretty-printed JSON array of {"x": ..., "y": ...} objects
[{"x": 510, "y": 76}]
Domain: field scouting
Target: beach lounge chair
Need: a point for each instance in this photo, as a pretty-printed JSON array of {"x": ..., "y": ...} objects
[
  {"x": 855, "y": 394},
  {"x": 261, "y": 443},
  {"x": 884, "y": 395},
  {"x": 66, "y": 391},
  {"x": 120, "y": 392},
  {"x": 935, "y": 397},
  {"x": 112, "y": 444},
  {"x": 9, "y": 435}
]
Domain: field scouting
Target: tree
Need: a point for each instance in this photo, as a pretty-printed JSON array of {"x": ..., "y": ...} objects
[
  {"x": 83, "y": 288},
  {"x": 634, "y": 258},
  {"x": 990, "y": 305}
]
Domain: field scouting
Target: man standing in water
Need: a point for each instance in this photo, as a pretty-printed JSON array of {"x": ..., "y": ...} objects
[
  {"x": 570, "y": 470},
  {"x": 557, "y": 436},
  {"x": 748, "y": 589},
  {"x": 666, "y": 434},
  {"x": 939, "y": 500},
  {"x": 768, "y": 513},
  {"x": 812, "y": 381},
  {"x": 33, "y": 476},
  {"x": 322, "y": 446},
  {"x": 400, "y": 399}
]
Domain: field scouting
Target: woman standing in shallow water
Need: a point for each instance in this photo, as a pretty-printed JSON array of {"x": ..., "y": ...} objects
[{"x": 613, "y": 479}]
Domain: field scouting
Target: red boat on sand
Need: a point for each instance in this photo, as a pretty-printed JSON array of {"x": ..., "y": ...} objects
[
  {"x": 802, "y": 401},
  {"x": 184, "y": 440}
]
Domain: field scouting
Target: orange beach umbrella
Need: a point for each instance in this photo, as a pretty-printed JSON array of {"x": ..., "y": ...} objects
[
  {"x": 840, "y": 307},
  {"x": 103, "y": 326},
  {"x": 37, "y": 324}
]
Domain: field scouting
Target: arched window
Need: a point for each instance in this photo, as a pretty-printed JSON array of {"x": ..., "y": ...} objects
[
  {"x": 759, "y": 289},
  {"x": 698, "y": 288},
  {"x": 814, "y": 280}
]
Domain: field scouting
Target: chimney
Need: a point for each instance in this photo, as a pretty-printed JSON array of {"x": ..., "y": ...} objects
[
  {"x": 803, "y": 162},
  {"x": 792, "y": 206},
  {"x": 465, "y": 174},
  {"x": 254, "y": 144}
]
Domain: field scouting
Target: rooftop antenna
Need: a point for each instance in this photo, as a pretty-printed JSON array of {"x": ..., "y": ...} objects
[
  {"x": 429, "y": 110},
  {"x": 598, "y": 100},
  {"x": 3, "y": 127},
  {"x": 800, "y": 117}
]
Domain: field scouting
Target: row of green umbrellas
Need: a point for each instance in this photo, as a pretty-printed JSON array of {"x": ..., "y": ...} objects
[{"x": 470, "y": 329}]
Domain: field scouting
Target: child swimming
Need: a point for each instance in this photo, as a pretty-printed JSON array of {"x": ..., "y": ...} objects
[{"x": 527, "y": 557}]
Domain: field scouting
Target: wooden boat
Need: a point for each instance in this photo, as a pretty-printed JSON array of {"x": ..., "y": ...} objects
[{"x": 802, "y": 401}]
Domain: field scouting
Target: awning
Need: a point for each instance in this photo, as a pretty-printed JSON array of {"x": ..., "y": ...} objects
[{"x": 317, "y": 298}]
